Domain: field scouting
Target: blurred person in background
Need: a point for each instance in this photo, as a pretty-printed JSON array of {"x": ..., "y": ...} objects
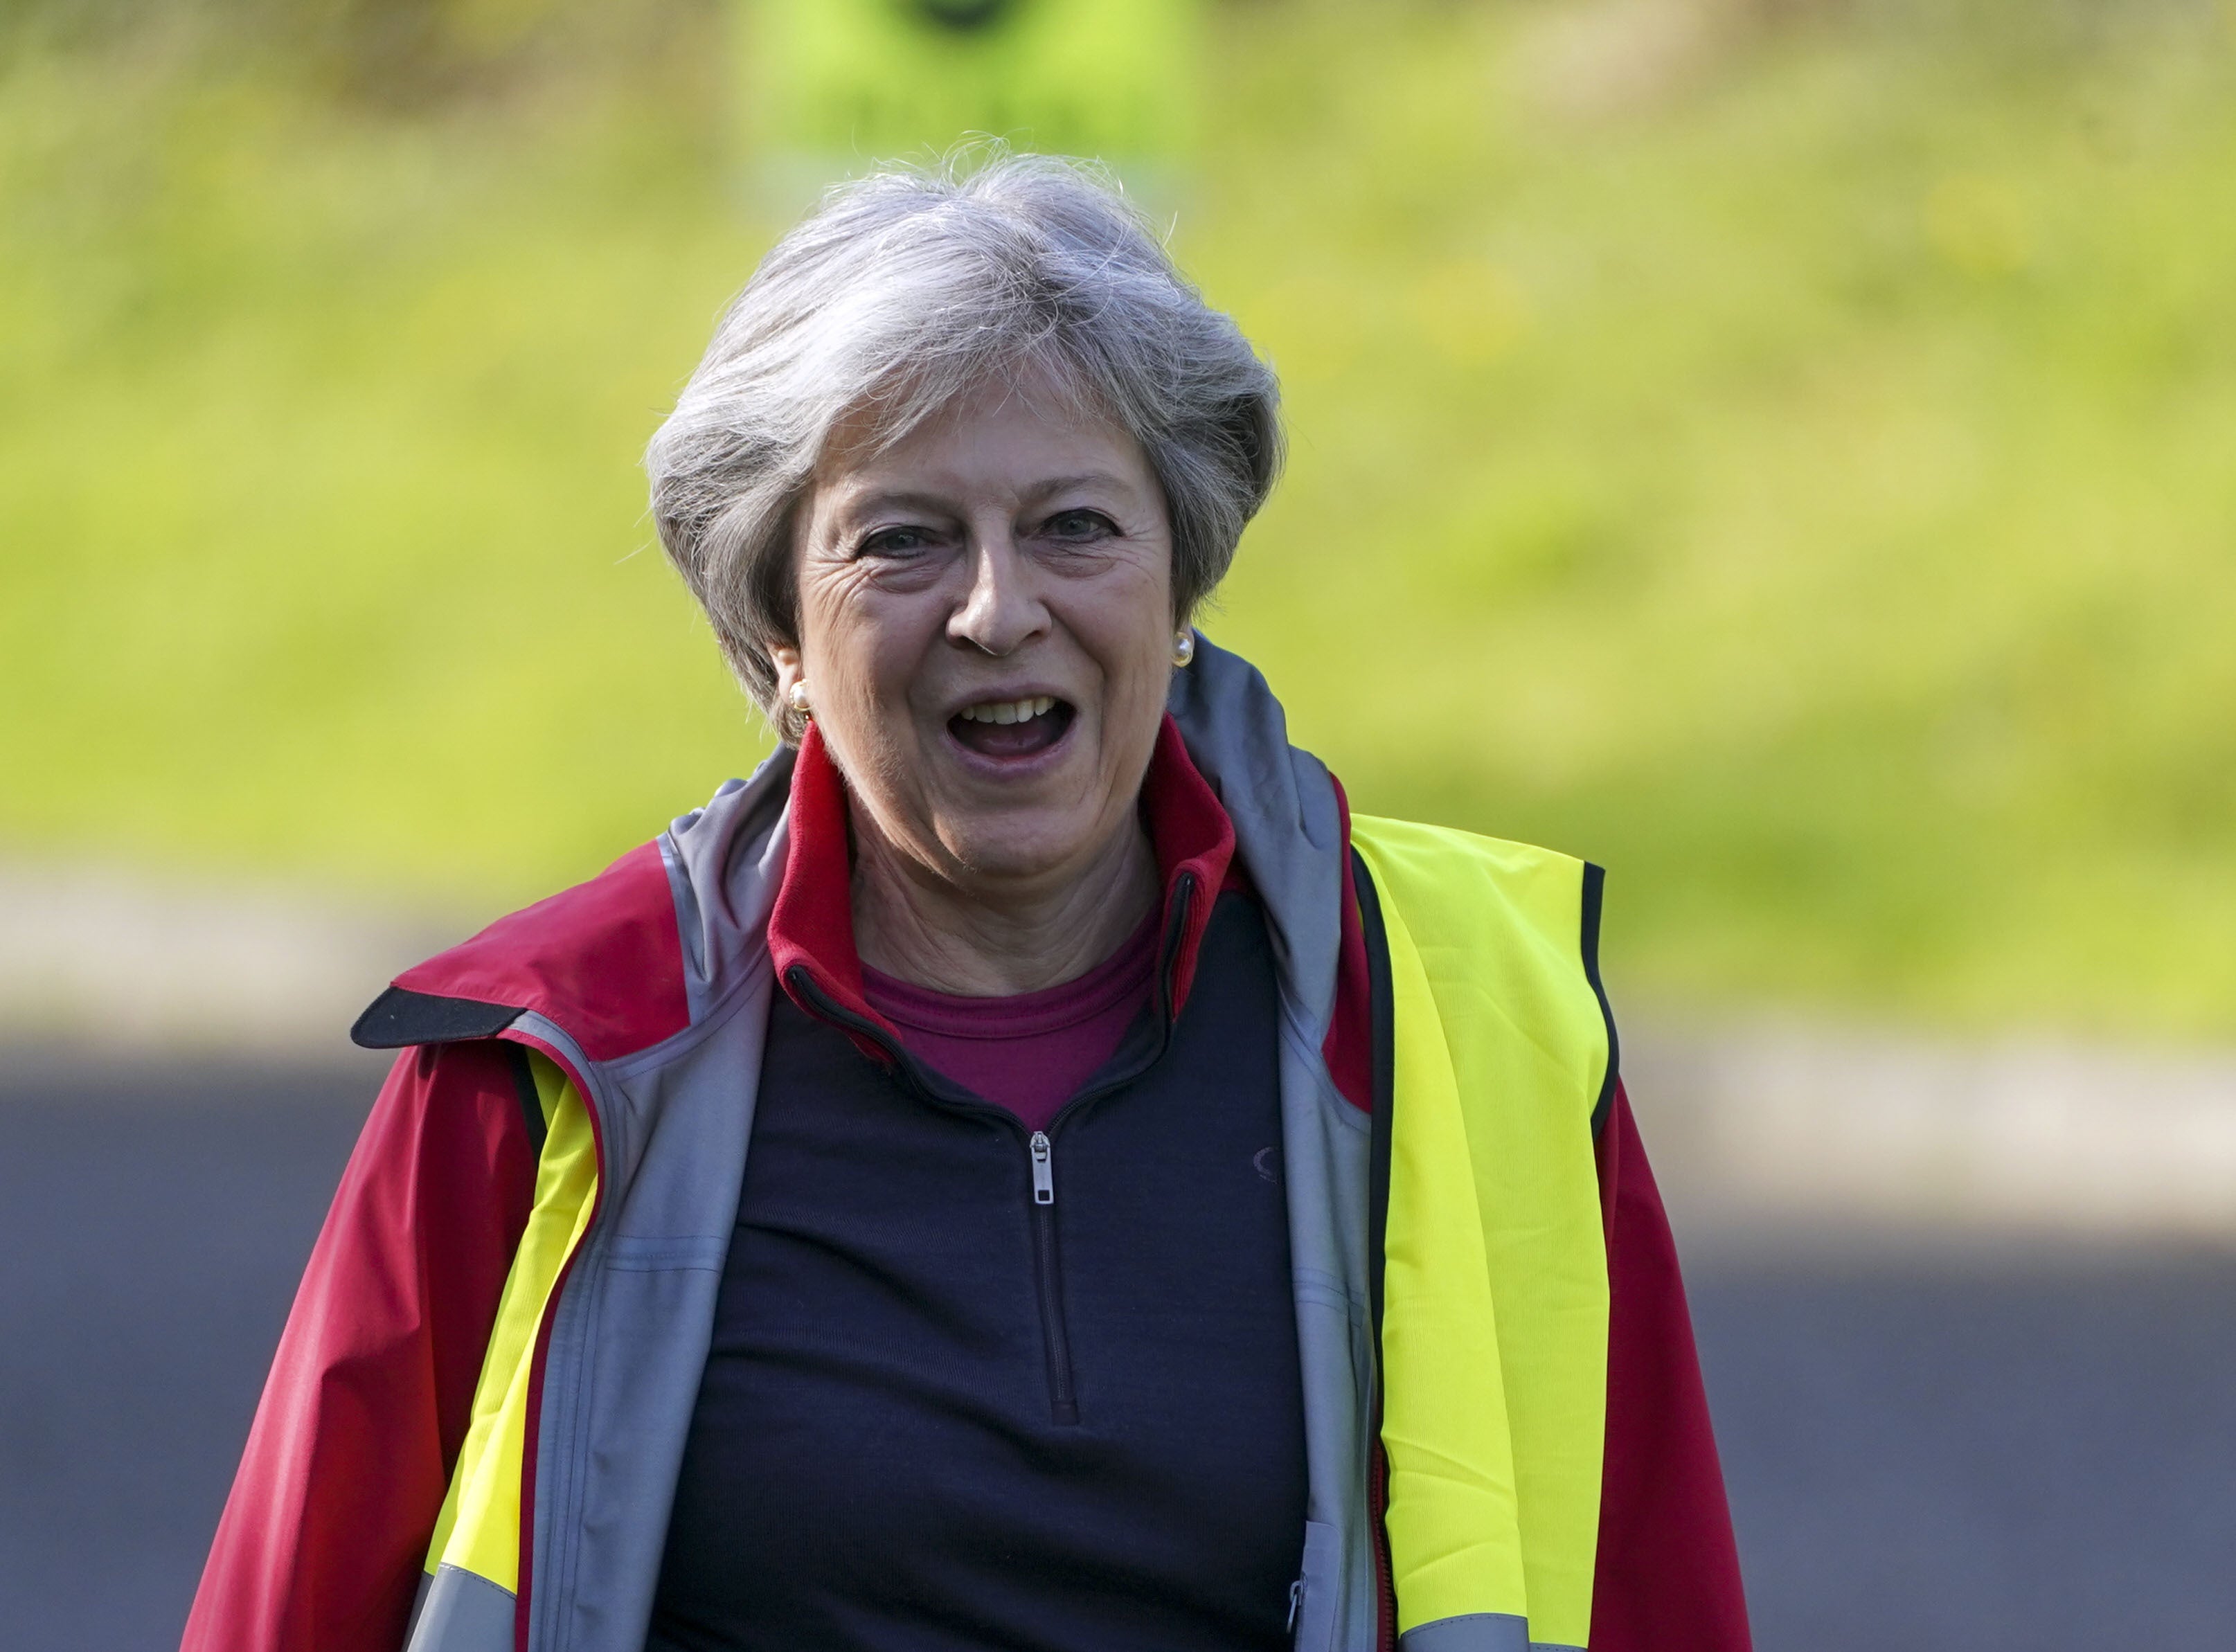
[{"x": 1028, "y": 1168}]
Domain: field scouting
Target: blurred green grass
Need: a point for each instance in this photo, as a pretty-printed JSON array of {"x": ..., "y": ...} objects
[{"x": 1784, "y": 452}]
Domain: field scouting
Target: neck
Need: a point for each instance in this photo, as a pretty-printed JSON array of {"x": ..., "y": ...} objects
[{"x": 1003, "y": 938}]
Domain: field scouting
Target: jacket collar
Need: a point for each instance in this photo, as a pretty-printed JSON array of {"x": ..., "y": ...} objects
[
  {"x": 811, "y": 931},
  {"x": 672, "y": 930}
]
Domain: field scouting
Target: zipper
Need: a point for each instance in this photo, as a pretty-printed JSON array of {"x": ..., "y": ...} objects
[
  {"x": 1056, "y": 1337},
  {"x": 1040, "y": 1157},
  {"x": 1377, "y": 1524},
  {"x": 1063, "y": 1397},
  {"x": 1040, "y": 1148},
  {"x": 1043, "y": 1153},
  {"x": 1168, "y": 964}
]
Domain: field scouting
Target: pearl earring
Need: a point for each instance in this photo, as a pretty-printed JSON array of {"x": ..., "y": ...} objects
[
  {"x": 1183, "y": 647},
  {"x": 797, "y": 699}
]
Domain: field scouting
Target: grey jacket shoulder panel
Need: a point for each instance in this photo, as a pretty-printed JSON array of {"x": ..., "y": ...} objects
[
  {"x": 1288, "y": 829},
  {"x": 1288, "y": 834},
  {"x": 724, "y": 863}
]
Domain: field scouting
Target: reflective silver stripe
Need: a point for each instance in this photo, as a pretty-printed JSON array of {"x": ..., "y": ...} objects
[
  {"x": 460, "y": 1611},
  {"x": 1478, "y": 1632},
  {"x": 1472, "y": 1632}
]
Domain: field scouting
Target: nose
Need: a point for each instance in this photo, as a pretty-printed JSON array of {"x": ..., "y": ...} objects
[{"x": 1001, "y": 612}]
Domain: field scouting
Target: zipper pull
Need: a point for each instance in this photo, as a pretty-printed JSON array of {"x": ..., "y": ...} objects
[{"x": 1043, "y": 1169}]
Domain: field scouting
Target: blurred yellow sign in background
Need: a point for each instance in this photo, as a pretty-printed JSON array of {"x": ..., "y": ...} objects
[{"x": 872, "y": 78}]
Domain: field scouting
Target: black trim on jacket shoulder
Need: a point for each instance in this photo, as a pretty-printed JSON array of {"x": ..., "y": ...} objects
[
  {"x": 400, "y": 1017},
  {"x": 1594, "y": 876},
  {"x": 1383, "y": 1049},
  {"x": 1382, "y": 1014},
  {"x": 531, "y": 1102}
]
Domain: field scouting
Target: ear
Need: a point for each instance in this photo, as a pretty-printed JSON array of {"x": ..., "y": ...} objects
[{"x": 786, "y": 658}]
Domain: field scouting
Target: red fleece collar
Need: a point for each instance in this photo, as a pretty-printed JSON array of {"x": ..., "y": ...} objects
[{"x": 812, "y": 924}]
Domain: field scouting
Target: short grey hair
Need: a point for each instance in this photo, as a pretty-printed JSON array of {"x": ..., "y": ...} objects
[{"x": 909, "y": 287}]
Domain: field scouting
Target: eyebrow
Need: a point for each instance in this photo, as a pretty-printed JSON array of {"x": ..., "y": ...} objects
[
  {"x": 887, "y": 498},
  {"x": 1084, "y": 479},
  {"x": 910, "y": 498}
]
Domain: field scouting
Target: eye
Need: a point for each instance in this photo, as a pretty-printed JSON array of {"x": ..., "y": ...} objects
[
  {"x": 903, "y": 541},
  {"x": 1079, "y": 523}
]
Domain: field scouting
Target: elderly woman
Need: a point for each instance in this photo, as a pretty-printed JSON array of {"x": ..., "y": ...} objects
[{"x": 1027, "y": 1168}]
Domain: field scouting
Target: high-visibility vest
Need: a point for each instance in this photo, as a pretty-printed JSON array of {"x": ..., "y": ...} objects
[
  {"x": 1492, "y": 1304},
  {"x": 1494, "y": 1298}
]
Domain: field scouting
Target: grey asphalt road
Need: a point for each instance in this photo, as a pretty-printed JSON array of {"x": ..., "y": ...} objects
[{"x": 2028, "y": 1453}]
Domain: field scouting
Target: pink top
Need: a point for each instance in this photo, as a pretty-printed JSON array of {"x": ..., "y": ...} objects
[{"x": 1030, "y": 1053}]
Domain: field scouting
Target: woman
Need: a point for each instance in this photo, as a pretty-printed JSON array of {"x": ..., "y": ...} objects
[{"x": 1026, "y": 1169}]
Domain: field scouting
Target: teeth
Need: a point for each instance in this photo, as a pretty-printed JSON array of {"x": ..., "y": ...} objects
[{"x": 1008, "y": 711}]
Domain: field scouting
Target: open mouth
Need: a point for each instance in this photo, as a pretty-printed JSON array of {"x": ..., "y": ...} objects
[{"x": 1011, "y": 728}]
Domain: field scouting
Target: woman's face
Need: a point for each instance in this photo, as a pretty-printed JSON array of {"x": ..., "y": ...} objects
[{"x": 986, "y": 632}]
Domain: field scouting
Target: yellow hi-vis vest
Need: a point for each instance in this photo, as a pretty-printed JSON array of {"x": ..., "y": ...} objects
[
  {"x": 1495, "y": 1283},
  {"x": 478, "y": 1530},
  {"x": 1493, "y": 1324}
]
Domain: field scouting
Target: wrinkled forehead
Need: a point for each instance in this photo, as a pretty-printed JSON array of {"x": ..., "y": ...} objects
[{"x": 1044, "y": 388}]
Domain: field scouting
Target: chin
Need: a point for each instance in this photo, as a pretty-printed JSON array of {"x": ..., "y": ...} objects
[{"x": 1016, "y": 848}]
